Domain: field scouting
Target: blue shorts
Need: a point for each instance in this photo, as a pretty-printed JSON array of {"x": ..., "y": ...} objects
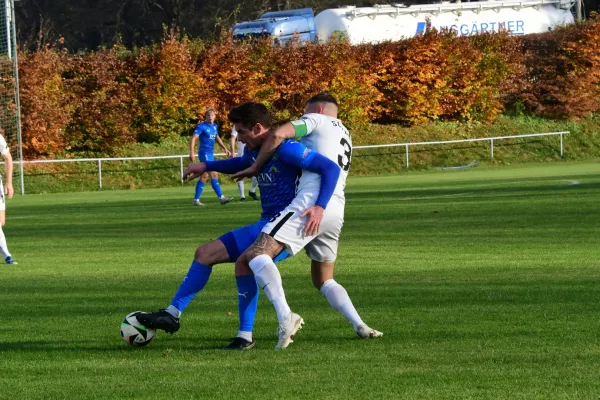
[
  {"x": 204, "y": 157},
  {"x": 238, "y": 240}
]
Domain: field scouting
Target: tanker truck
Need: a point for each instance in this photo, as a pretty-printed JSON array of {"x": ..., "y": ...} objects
[{"x": 397, "y": 21}]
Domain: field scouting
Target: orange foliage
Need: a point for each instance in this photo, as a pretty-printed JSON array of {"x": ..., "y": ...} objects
[
  {"x": 170, "y": 95},
  {"x": 438, "y": 76},
  {"x": 102, "y": 88},
  {"x": 563, "y": 70},
  {"x": 45, "y": 104},
  {"x": 99, "y": 101}
]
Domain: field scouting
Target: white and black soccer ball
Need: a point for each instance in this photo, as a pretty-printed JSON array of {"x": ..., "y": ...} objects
[{"x": 134, "y": 333}]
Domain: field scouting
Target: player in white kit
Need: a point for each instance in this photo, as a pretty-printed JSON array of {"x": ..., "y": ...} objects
[
  {"x": 5, "y": 193},
  {"x": 240, "y": 152},
  {"x": 305, "y": 224}
]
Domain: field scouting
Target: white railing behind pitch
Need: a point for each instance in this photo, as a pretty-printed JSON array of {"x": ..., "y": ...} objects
[
  {"x": 99, "y": 161},
  {"x": 490, "y": 139}
]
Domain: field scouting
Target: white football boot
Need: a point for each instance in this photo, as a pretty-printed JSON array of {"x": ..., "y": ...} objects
[
  {"x": 365, "y": 332},
  {"x": 286, "y": 331}
]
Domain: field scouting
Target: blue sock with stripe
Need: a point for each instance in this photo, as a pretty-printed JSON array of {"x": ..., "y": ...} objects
[
  {"x": 194, "y": 282},
  {"x": 199, "y": 189},
  {"x": 247, "y": 301},
  {"x": 216, "y": 187}
]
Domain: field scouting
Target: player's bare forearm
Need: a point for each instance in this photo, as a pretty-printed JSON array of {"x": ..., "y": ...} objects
[
  {"x": 9, "y": 168},
  {"x": 264, "y": 244},
  {"x": 192, "y": 146},
  {"x": 267, "y": 149},
  {"x": 220, "y": 142},
  {"x": 272, "y": 143}
]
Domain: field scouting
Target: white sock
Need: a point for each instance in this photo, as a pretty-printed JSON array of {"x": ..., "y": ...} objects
[
  {"x": 269, "y": 279},
  {"x": 3, "y": 245},
  {"x": 173, "y": 311},
  {"x": 338, "y": 298},
  {"x": 254, "y": 184},
  {"x": 245, "y": 335},
  {"x": 241, "y": 189}
]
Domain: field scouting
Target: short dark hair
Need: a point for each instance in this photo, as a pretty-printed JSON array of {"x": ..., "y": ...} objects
[
  {"x": 250, "y": 114},
  {"x": 323, "y": 97}
]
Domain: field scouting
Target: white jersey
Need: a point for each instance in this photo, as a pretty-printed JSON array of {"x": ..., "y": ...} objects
[
  {"x": 329, "y": 137},
  {"x": 240, "y": 145},
  {"x": 3, "y": 146}
]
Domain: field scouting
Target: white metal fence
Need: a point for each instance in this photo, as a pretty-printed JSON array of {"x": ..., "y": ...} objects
[
  {"x": 490, "y": 139},
  {"x": 99, "y": 161}
]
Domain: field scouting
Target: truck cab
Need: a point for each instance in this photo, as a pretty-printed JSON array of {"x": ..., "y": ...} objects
[{"x": 280, "y": 26}]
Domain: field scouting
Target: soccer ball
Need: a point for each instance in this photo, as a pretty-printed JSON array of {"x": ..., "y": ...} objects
[{"x": 134, "y": 333}]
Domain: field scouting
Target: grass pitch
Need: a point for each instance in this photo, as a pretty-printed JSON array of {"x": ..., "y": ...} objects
[{"x": 485, "y": 283}]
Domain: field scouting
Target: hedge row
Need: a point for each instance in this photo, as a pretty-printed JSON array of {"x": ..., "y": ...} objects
[{"x": 98, "y": 102}]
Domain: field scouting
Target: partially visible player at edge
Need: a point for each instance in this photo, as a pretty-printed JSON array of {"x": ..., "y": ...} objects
[
  {"x": 8, "y": 191},
  {"x": 208, "y": 132},
  {"x": 277, "y": 180},
  {"x": 320, "y": 130},
  {"x": 240, "y": 152}
]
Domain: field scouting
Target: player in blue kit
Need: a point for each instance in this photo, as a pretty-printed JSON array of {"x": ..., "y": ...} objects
[
  {"x": 277, "y": 181},
  {"x": 207, "y": 132}
]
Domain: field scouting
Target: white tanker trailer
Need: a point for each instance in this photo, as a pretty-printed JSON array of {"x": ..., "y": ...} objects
[{"x": 397, "y": 21}]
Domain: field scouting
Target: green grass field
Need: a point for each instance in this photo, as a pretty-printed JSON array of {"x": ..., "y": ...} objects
[{"x": 484, "y": 281}]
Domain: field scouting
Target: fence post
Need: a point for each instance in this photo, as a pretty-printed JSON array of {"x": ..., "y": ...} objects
[
  {"x": 22, "y": 177},
  {"x": 492, "y": 147},
  {"x": 100, "y": 174},
  {"x": 406, "y": 156},
  {"x": 561, "y": 145},
  {"x": 181, "y": 168}
]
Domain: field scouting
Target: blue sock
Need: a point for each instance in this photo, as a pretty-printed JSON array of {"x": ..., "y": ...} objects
[
  {"x": 216, "y": 187},
  {"x": 194, "y": 282},
  {"x": 199, "y": 189},
  {"x": 247, "y": 301}
]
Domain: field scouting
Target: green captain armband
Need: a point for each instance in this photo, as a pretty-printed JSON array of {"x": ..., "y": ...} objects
[{"x": 300, "y": 129}]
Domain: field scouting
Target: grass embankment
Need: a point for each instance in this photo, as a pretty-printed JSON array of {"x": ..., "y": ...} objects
[{"x": 583, "y": 143}]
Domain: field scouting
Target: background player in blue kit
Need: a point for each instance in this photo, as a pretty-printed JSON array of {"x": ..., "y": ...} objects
[
  {"x": 208, "y": 132},
  {"x": 277, "y": 181},
  {"x": 240, "y": 152}
]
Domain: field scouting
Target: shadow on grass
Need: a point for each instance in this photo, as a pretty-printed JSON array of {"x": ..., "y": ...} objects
[{"x": 62, "y": 346}]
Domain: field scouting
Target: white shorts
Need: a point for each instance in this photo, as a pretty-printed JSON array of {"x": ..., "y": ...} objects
[{"x": 286, "y": 227}]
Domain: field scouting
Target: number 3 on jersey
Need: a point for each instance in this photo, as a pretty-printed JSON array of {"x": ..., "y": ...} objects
[{"x": 345, "y": 158}]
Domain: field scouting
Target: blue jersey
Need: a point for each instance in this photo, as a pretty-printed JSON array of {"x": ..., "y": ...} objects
[
  {"x": 276, "y": 179},
  {"x": 207, "y": 133}
]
